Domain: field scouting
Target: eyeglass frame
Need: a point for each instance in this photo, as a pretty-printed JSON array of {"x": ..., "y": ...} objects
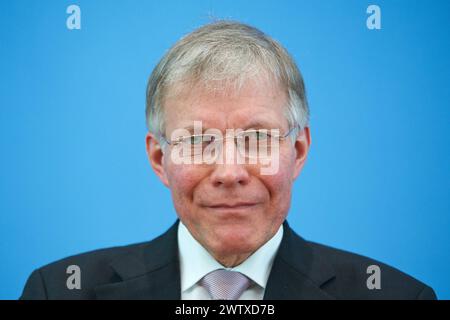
[{"x": 235, "y": 136}]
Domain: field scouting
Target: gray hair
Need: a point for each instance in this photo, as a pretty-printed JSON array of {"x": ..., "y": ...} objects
[{"x": 220, "y": 54}]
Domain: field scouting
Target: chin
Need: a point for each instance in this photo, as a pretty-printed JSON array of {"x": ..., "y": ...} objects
[{"x": 235, "y": 241}]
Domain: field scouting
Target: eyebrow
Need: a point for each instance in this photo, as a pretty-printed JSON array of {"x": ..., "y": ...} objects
[
  {"x": 258, "y": 124},
  {"x": 253, "y": 124}
]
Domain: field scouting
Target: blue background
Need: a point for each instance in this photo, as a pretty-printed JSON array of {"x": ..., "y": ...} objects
[{"x": 74, "y": 172}]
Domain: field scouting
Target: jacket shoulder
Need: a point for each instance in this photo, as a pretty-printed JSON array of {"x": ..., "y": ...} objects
[
  {"x": 100, "y": 267},
  {"x": 93, "y": 268},
  {"x": 360, "y": 277}
]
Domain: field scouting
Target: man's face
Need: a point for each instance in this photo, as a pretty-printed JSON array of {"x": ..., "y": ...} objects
[{"x": 230, "y": 208}]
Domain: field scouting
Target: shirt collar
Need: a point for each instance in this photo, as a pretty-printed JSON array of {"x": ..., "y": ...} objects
[{"x": 196, "y": 261}]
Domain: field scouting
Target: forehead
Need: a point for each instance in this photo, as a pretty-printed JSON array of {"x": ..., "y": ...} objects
[{"x": 255, "y": 104}]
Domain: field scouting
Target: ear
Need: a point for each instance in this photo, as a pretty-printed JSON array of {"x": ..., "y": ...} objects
[
  {"x": 301, "y": 146},
  {"x": 156, "y": 157}
]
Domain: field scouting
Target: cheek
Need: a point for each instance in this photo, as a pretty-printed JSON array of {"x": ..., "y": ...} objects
[
  {"x": 279, "y": 185},
  {"x": 183, "y": 180}
]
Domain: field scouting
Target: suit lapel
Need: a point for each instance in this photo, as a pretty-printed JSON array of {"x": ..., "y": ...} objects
[
  {"x": 150, "y": 271},
  {"x": 297, "y": 273}
]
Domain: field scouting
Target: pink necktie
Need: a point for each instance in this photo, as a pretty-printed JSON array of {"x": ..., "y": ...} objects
[{"x": 225, "y": 285}]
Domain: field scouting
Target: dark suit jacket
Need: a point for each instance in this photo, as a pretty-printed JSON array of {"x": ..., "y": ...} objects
[{"x": 150, "y": 270}]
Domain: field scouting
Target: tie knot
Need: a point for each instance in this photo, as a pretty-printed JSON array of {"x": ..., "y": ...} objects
[{"x": 224, "y": 284}]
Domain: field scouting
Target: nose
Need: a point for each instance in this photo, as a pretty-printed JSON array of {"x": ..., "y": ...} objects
[
  {"x": 229, "y": 175},
  {"x": 232, "y": 171}
]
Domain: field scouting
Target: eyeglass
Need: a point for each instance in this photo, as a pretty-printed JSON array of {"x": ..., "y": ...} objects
[{"x": 253, "y": 144}]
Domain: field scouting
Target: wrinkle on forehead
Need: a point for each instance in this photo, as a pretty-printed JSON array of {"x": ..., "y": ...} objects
[
  {"x": 262, "y": 85},
  {"x": 258, "y": 103}
]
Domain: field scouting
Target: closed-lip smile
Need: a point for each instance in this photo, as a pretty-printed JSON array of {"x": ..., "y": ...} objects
[{"x": 238, "y": 205}]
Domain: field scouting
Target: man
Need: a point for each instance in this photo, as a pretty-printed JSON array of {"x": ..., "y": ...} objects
[{"x": 228, "y": 135}]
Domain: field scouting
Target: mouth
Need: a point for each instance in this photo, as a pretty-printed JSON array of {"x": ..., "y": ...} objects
[{"x": 232, "y": 207}]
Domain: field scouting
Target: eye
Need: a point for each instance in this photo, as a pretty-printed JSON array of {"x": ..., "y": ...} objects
[
  {"x": 193, "y": 140},
  {"x": 204, "y": 139},
  {"x": 259, "y": 135},
  {"x": 262, "y": 135}
]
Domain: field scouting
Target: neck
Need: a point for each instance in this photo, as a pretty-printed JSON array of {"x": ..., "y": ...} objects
[{"x": 231, "y": 261}]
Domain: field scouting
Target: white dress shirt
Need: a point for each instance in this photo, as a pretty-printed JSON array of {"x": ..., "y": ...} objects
[{"x": 196, "y": 262}]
